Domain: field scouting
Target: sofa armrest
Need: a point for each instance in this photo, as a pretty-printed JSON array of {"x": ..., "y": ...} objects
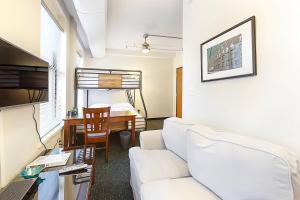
[{"x": 152, "y": 140}]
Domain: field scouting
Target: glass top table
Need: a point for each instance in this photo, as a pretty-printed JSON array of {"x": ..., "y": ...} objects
[{"x": 52, "y": 186}]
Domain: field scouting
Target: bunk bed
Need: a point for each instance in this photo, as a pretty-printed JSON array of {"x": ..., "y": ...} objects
[{"x": 112, "y": 79}]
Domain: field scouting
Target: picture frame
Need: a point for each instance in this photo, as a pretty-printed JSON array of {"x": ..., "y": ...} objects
[{"x": 230, "y": 54}]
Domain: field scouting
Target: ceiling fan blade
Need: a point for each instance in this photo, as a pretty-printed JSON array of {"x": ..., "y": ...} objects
[{"x": 132, "y": 47}]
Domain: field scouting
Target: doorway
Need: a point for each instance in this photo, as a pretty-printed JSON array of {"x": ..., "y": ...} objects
[{"x": 179, "y": 92}]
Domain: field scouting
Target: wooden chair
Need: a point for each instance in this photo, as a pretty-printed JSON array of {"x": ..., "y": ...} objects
[{"x": 97, "y": 126}]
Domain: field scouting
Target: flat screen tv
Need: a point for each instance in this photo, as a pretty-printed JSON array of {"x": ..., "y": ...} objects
[{"x": 23, "y": 77}]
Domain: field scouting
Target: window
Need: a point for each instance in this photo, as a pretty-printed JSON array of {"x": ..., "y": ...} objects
[
  {"x": 80, "y": 94},
  {"x": 53, "y": 50},
  {"x": 79, "y": 60}
]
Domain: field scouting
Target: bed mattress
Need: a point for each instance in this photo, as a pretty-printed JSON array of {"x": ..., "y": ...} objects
[{"x": 140, "y": 122}]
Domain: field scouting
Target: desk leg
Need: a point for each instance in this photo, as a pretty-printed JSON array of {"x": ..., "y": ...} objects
[
  {"x": 133, "y": 131},
  {"x": 66, "y": 134}
]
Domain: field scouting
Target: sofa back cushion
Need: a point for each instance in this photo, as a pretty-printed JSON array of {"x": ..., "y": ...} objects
[
  {"x": 174, "y": 134},
  {"x": 237, "y": 167}
]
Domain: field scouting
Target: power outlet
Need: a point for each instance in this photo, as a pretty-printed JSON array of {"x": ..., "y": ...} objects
[{"x": 59, "y": 141}]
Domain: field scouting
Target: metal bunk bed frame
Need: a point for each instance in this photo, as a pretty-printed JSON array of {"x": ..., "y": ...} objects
[{"x": 89, "y": 78}]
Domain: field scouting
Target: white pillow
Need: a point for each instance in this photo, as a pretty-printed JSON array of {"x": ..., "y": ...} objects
[
  {"x": 239, "y": 168},
  {"x": 100, "y": 105},
  {"x": 174, "y": 134}
]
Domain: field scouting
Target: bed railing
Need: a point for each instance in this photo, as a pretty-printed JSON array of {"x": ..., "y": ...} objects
[
  {"x": 88, "y": 78},
  {"x": 110, "y": 79}
]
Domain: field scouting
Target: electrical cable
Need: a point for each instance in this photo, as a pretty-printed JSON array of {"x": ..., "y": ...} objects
[
  {"x": 37, "y": 130},
  {"x": 57, "y": 142}
]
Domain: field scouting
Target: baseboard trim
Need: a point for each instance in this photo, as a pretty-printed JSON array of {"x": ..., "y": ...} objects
[{"x": 157, "y": 118}]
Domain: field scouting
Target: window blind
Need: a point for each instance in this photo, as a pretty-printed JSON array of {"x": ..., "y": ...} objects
[
  {"x": 80, "y": 94},
  {"x": 52, "y": 49}
]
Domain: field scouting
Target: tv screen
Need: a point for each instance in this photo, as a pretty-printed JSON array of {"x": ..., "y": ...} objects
[{"x": 23, "y": 76}]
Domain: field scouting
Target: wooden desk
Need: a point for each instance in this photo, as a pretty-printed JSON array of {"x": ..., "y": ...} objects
[{"x": 115, "y": 118}]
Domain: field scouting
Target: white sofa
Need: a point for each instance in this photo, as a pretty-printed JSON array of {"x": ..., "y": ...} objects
[{"x": 194, "y": 162}]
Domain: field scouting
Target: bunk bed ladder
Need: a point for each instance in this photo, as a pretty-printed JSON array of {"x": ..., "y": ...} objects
[
  {"x": 143, "y": 101},
  {"x": 130, "y": 98},
  {"x": 145, "y": 109}
]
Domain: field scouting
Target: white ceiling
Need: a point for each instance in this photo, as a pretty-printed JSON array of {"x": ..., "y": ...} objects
[
  {"x": 92, "y": 15},
  {"x": 127, "y": 21}
]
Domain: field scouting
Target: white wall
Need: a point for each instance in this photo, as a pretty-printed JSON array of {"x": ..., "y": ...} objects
[
  {"x": 18, "y": 129},
  {"x": 157, "y": 81},
  {"x": 19, "y": 143},
  {"x": 265, "y": 106}
]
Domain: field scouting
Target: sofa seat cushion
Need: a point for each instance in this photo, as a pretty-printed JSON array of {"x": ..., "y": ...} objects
[
  {"x": 151, "y": 165},
  {"x": 176, "y": 189}
]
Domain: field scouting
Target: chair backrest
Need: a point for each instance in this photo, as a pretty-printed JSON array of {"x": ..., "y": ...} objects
[{"x": 96, "y": 120}]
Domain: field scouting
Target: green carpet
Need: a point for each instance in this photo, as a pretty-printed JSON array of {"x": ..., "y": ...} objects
[{"x": 112, "y": 178}]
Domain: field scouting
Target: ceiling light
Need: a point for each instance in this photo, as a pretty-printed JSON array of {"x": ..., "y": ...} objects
[{"x": 145, "y": 51}]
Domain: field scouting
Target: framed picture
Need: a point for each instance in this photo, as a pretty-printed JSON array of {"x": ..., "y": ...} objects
[{"x": 230, "y": 54}]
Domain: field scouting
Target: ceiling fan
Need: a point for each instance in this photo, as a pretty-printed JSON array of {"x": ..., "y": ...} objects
[{"x": 146, "y": 47}]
